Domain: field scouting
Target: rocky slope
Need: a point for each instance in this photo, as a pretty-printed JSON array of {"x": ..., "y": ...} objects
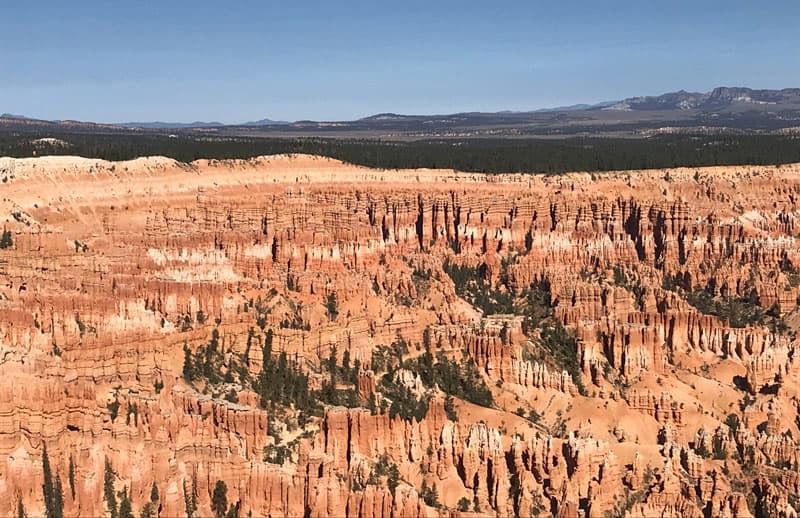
[{"x": 329, "y": 340}]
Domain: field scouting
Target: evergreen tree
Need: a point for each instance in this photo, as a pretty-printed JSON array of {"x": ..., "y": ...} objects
[
  {"x": 108, "y": 490},
  {"x": 233, "y": 511},
  {"x": 125, "y": 510},
  {"x": 281, "y": 375},
  {"x": 346, "y": 361},
  {"x": 71, "y": 477},
  {"x": 268, "y": 340},
  {"x": 187, "y": 502},
  {"x": 450, "y": 408},
  {"x": 194, "y": 492},
  {"x": 188, "y": 368},
  {"x": 354, "y": 373},
  {"x": 331, "y": 396},
  {"x": 58, "y": 498},
  {"x": 332, "y": 305},
  {"x": 393, "y": 479},
  {"x": 47, "y": 484},
  {"x": 219, "y": 499},
  {"x": 6, "y": 241},
  {"x": 190, "y": 498},
  {"x": 430, "y": 495},
  {"x": 154, "y": 492},
  {"x": 51, "y": 488},
  {"x": 20, "y": 508}
]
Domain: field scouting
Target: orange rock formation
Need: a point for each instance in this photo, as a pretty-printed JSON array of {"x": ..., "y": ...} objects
[{"x": 672, "y": 409}]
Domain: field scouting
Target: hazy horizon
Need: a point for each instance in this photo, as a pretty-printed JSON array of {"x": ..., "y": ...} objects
[
  {"x": 433, "y": 113},
  {"x": 198, "y": 61}
]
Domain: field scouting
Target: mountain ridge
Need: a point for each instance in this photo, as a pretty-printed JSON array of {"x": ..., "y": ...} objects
[
  {"x": 719, "y": 98},
  {"x": 723, "y": 109}
]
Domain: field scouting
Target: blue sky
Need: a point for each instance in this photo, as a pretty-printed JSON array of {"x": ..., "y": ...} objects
[{"x": 234, "y": 61}]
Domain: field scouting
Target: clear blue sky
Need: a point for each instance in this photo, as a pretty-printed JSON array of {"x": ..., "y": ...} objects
[{"x": 234, "y": 61}]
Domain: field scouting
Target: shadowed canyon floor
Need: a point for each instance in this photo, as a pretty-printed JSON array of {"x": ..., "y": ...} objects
[{"x": 330, "y": 340}]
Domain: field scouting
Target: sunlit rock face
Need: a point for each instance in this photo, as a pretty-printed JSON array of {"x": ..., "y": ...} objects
[{"x": 575, "y": 345}]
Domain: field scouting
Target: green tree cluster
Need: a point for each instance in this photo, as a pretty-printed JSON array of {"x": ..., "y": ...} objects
[
  {"x": 430, "y": 495},
  {"x": 206, "y": 362},
  {"x": 405, "y": 403},
  {"x": 281, "y": 383},
  {"x": 736, "y": 311},
  {"x": 555, "y": 345},
  {"x": 472, "y": 286},
  {"x": 384, "y": 468},
  {"x": 460, "y": 379},
  {"x": 344, "y": 374}
]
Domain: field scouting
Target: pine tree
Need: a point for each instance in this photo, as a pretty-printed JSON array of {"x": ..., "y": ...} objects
[
  {"x": 20, "y": 508},
  {"x": 6, "y": 241},
  {"x": 332, "y": 305},
  {"x": 47, "y": 484},
  {"x": 108, "y": 490},
  {"x": 150, "y": 509},
  {"x": 430, "y": 495},
  {"x": 188, "y": 368},
  {"x": 190, "y": 498},
  {"x": 194, "y": 493},
  {"x": 332, "y": 369},
  {"x": 187, "y": 502},
  {"x": 393, "y": 479},
  {"x": 233, "y": 511},
  {"x": 58, "y": 498},
  {"x": 346, "y": 361},
  {"x": 219, "y": 499},
  {"x": 125, "y": 510},
  {"x": 450, "y": 408},
  {"x": 53, "y": 494},
  {"x": 71, "y": 477},
  {"x": 51, "y": 508},
  {"x": 280, "y": 377}
]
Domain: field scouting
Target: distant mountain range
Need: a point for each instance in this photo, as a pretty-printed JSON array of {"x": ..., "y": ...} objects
[
  {"x": 718, "y": 99},
  {"x": 193, "y": 125},
  {"x": 722, "y": 110},
  {"x": 170, "y": 125}
]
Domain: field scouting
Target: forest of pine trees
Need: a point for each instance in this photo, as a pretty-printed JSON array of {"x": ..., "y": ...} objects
[
  {"x": 281, "y": 383},
  {"x": 479, "y": 155},
  {"x": 459, "y": 379},
  {"x": 472, "y": 287},
  {"x": 206, "y": 363}
]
